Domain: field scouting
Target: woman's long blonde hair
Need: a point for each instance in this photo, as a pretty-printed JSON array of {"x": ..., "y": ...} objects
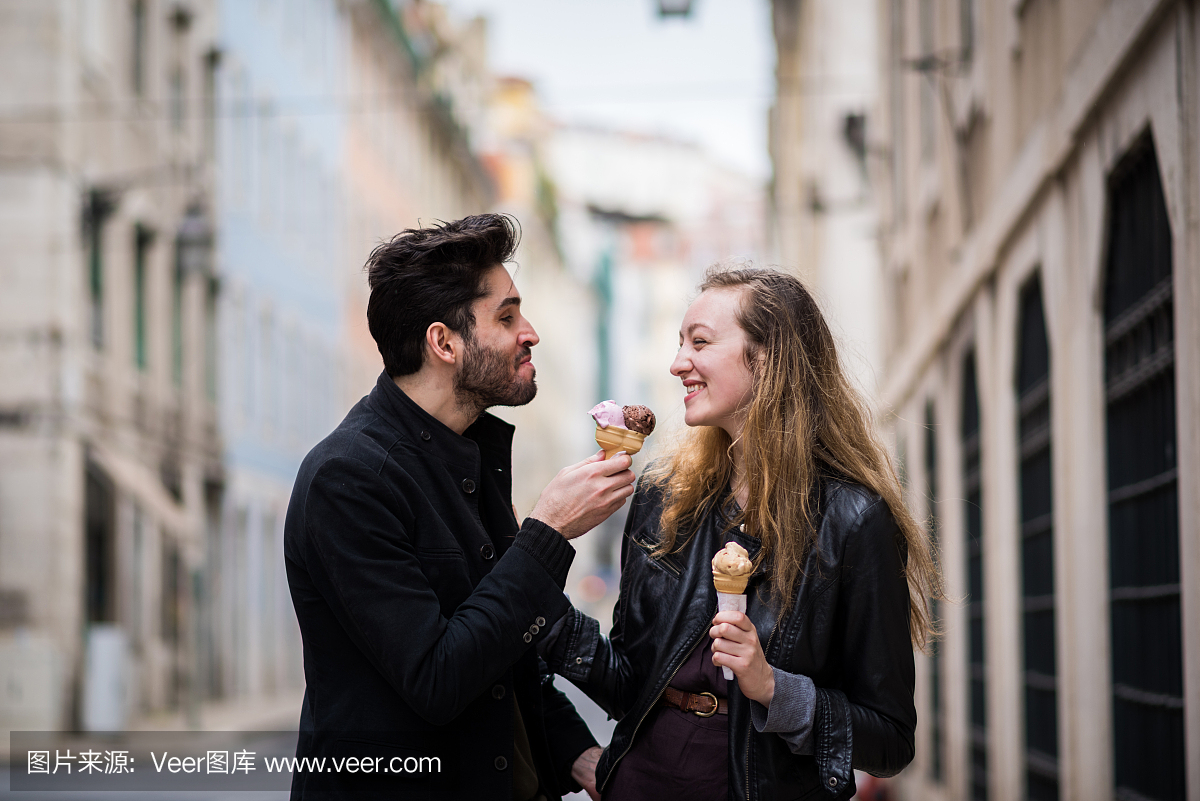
[{"x": 804, "y": 417}]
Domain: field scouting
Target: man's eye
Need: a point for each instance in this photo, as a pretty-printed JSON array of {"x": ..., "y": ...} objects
[{"x": 507, "y": 319}]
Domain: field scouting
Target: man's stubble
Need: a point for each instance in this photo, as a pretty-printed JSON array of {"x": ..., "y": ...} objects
[{"x": 489, "y": 378}]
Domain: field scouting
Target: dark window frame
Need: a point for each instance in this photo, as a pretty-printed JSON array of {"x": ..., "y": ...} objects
[
  {"x": 970, "y": 434},
  {"x": 937, "y": 710},
  {"x": 143, "y": 240},
  {"x": 1142, "y": 481},
  {"x": 1036, "y": 493},
  {"x": 139, "y": 19}
]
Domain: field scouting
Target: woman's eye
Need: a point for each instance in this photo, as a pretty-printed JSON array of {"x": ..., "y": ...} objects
[{"x": 698, "y": 342}]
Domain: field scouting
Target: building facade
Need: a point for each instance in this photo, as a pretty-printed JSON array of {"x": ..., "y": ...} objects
[
  {"x": 415, "y": 101},
  {"x": 1040, "y": 227},
  {"x": 553, "y": 430},
  {"x": 822, "y": 208},
  {"x": 110, "y": 450},
  {"x": 640, "y": 218},
  {"x": 280, "y": 123}
]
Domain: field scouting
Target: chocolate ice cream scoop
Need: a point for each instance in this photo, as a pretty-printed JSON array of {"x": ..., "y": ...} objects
[{"x": 639, "y": 419}]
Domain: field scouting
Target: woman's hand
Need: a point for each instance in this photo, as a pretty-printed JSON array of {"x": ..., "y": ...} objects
[{"x": 736, "y": 646}]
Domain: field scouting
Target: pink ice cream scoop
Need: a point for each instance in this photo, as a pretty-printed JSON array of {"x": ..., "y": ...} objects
[{"x": 608, "y": 413}]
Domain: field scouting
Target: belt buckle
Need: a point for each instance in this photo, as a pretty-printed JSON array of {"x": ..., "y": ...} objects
[{"x": 715, "y": 706}]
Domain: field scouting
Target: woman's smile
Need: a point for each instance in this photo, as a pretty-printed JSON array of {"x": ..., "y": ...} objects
[{"x": 711, "y": 362}]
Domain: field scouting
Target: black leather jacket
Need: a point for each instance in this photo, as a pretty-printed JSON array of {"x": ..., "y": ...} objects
[{"x": 847, "y": 630}]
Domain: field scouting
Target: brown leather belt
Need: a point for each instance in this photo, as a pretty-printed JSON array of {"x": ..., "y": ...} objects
[{"x": 704, "y": 705}]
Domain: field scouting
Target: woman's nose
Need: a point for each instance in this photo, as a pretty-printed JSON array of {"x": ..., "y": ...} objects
[{"x": 681, "y": 364}]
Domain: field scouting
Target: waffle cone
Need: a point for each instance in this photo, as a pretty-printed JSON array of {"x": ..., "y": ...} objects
[
  {"x": 615, "y": 439},
  {"x": 733, "y": 585}
]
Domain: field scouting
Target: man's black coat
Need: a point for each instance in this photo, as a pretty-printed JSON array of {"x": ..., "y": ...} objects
[{"x": 419, "y": 600}]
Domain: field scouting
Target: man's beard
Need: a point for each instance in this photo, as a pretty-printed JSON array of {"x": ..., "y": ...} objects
[{"x": 488, "y": 378}]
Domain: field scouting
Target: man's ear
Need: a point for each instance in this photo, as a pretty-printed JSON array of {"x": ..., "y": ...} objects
[{"x": 444, "y": 345}]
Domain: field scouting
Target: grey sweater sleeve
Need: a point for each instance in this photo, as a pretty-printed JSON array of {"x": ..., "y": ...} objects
[{"x": 791, "y": 712}]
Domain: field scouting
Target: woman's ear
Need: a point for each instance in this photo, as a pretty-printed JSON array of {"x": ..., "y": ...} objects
[{"x": 756, "y": 357}]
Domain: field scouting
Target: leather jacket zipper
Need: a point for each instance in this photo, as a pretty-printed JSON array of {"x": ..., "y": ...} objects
[
  {"x": 695, "y": 640},
  {"x": 661, "y": 561}
]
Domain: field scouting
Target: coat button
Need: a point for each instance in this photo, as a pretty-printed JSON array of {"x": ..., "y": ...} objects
[
  {"x": 527, "y": 637},
  {"x": 487, "y": 551},
  {"x": 534, "y": 629},
  {"x": 833, "y": 781},
  {"x": 541, "y": 621},
  {"x": 498, "y": 691},
  {"x": 468, "y": 486},
  {"x": 501, "y": 763},
  {"x": 425, "y": 436}
]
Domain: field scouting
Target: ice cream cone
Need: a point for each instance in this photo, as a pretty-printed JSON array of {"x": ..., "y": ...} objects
[
  {"x": 731, "y": 569},
  {"x": 614, "y": 439},
  {"x": 732, "y": 585}
]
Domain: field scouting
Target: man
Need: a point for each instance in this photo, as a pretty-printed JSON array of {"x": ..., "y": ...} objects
[{"x": 420, "y": 598}]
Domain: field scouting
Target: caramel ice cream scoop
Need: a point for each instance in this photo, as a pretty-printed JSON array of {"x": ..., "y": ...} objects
[{"x": 731, "y": 569}]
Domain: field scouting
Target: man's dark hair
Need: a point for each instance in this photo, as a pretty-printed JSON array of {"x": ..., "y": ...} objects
[{"x": 429, "y": 275}]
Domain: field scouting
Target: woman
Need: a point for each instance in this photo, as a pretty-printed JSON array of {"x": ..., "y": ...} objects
[{"x": 780, "y": 457}]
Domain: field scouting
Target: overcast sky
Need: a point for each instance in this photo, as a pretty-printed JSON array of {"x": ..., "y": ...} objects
[{"x": 707, "y": 78}]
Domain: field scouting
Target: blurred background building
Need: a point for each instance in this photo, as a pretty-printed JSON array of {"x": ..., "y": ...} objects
[
  {"x": 1040, "y": 198},
  {"x": 414, "y": 98},
  {"x": 823, "y": 208},
  {"x": 640, "y": 218},
  {"x": 280, "y": 125},
  {"x": 110, "y": 448}
]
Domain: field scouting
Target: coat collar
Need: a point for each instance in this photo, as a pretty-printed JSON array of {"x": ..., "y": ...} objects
[{"x": 489, "y": 433}]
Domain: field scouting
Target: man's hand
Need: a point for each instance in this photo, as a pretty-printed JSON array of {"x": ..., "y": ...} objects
[
  {"x": 584, "y": 495},
  {"x": 736, "y": 646},
  {"x": 584, "y": 771}
]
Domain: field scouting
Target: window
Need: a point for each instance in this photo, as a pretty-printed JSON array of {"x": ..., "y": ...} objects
[
  {"x": 268, "y": 411},
  {"x": 265, "y": 605},
  {"x": 928, "y": 96},
  {"x": 170, "y": 622},
  {"x": 1143, "y": 501},
  {"x": 966, "y": 21},
  {"x": 212, "y": 61},
  {"x": 143, "y": 238},
  {"x": 176, "y": 105},
  {"x": 973, "y": 515},
  {"x": 1037, "y": 549},
  {"x": 937, "y": 714},
  {"x": 896, "y": 94},
  {"x": 100, "y": 534},
  {"x": 99, "y": 205},
  {"x": 177, "y": 320},
  {"x": 137, "y": 61},
  {"x": 211, "y": 296},
  {"x": 137, "y": 576}
]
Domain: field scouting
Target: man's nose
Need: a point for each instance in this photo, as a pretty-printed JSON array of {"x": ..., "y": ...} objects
[{"x": 529, "y": 337}]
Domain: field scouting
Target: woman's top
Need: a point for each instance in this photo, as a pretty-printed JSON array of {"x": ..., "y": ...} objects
[{"x": 679, "y": 754}]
